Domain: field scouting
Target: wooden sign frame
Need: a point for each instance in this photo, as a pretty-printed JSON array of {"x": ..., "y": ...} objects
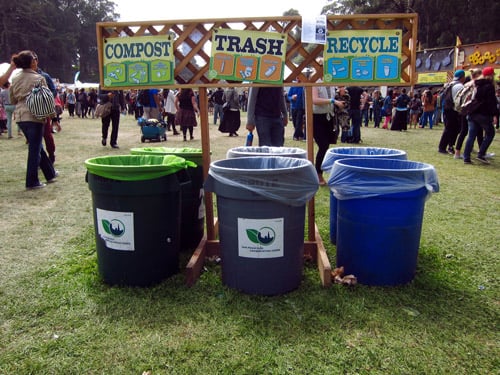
[{"x": 192, "y": 41}]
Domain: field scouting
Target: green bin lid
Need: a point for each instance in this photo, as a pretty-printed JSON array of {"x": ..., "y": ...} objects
[
  {"x": 136, "y": 167},
  {"x": 189, "y": 153}
]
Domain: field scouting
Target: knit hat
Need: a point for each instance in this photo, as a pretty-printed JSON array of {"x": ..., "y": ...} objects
[
  {"x": 488, "y": 71},
  {"x": 459, "y": 74}
]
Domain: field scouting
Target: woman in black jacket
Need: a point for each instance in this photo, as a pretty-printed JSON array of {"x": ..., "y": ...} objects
[{"x": 482, "y": 118}]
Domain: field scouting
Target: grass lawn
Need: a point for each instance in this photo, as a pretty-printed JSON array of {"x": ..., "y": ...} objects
[{"x": 58, "y": 317}]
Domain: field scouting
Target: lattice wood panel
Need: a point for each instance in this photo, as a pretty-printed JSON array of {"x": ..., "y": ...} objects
[{"x": 192, "y": 43}]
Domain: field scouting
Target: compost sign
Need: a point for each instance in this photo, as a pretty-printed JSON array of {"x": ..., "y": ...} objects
[
  {"x": 248, "y": 56},
  {"x": 363, "y": 56},
  {"x": 138, "y": 61}
]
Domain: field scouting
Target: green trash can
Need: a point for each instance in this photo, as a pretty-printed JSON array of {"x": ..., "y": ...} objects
[
  {"x": 136, "y": 209},
  {"x": 192, "y": 202}
]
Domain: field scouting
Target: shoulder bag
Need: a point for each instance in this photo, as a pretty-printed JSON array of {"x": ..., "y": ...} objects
[{"x": 40, "y": 101}]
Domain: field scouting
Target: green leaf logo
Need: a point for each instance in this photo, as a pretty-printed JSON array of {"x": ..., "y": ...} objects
[
  {"x": 106, "y": 225},
  {"x": 253, "y": 235}
]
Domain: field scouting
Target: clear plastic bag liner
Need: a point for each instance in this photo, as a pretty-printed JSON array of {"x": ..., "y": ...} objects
[
  {"x": 266, "y": 151},
  {"x": 291, "y": 181},
  {"x": 136, "y": 167},
  {"x": 338, "y": 153},
  {"x": 370, "y": 177}
]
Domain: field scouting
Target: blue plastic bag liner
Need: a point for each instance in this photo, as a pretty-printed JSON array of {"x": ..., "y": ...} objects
[
  {"x": 371, "y": 177},
  {"x": 136, "y": 167},
  {"x": 292, "y": 152},
  {"x": 338, "y": 153},
  {"x": 291, "y": 181}
]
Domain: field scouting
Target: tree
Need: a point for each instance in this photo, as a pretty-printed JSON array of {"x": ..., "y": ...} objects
[
  {"x": 440, "y": 21},
  {"x": 61, "y": 32}
]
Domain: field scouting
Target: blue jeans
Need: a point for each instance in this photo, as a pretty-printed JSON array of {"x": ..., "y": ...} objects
[
  {"x": 218, "y": 112},
  {"x": 427, "y": 116},
  {"x": 478, "y": 122},
  {"x": 36, "y": 154},
  {"x": 364, "y": 116},
  {"x": 270, "y": 130}
]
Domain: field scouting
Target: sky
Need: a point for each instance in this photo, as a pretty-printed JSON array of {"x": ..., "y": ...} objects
[{"x": 157, "y": 10}]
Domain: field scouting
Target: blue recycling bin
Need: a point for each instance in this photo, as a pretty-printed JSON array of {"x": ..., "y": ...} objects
[
  {"x": 338, "y": 153},
  {"x": 379, "y": 218}
]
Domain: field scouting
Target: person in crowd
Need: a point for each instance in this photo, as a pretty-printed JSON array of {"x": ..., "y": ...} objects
[
  {"x": 152, "y": 108},
  {"x": 244, "y": 100},
  {"x": 451, "y": 117},
  {"x": 428, "y": 108},
  {"x": 32, "y": 127},
  {"x": 481, "y": 119},
  {"x": 400, "y": 121},
  {"x": 377, "y": 103},
  {"x": 464, "y": 125},
  {"x": 415, "y": 108},
  {"x": 436, "y": 118},
  {"x": 9, "y": 108},
  {"x": 187, "y": 108},
  {"x": 82, "y": 103},
  {"x": 366, "y": 101},
  {"x": 3, "y": 115},
  {"x": 71, "y": 102},
  {"x": 92, "y": 102},
  {"x": 218, "y": 100},
  {"x": 323, "y": 123},
  {"x": 387, "y": 109},
  {"x": 169, "y": 109},
  {"x": 267, "y": 113},
  {"x": 50, "y": 144},
  {"x": 117, "y": 99},
  {"x": 342, "y": 115},
  {"x": 297, "y": 106},
  {"x": 231, "y": 121},
  {"x": 355, "y": 94}
]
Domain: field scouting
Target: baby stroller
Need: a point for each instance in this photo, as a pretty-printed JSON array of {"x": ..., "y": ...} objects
[{"x": 152, "y": 129}]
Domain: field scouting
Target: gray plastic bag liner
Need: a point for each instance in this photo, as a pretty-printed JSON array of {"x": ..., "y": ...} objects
[
  {"x": 291, "y": 181},
  {"x": 369, "y": 177},
  {"x": 266, "y": 151},
  {"x": 338, "y": 153}
]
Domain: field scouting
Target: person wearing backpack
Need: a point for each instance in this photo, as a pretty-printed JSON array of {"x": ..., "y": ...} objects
[
  {"x": 451, "y": 117},
  {"x": 481, "y": 118},
  {"x": 32, "y": 127},
  {"x": 464, "y": 126}
]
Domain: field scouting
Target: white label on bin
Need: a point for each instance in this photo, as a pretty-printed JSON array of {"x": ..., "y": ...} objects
[
  {"x": 116, "y": 229},
  {"x": 260, "y": 238}
]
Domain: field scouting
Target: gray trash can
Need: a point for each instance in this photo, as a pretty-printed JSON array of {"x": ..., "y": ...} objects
[
  {"x": 380, "y": 213},
  {"x": 338, "y": 153},
  {"x": 261, "y": 212},
  {"x": 261, "y": 151}
]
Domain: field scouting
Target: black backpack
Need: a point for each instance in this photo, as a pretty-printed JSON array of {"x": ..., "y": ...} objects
[
  {"x": 446, "y": 97},
  {"x": 143, "y": 98}
]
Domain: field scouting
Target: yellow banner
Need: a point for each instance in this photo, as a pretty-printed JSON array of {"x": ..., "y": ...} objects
[
  {"x": 434, "y": 78},
  {"x": 371, "y": 56},
  {"x": 138, "y": 61},
  {"x": 252, "y": 56}
]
